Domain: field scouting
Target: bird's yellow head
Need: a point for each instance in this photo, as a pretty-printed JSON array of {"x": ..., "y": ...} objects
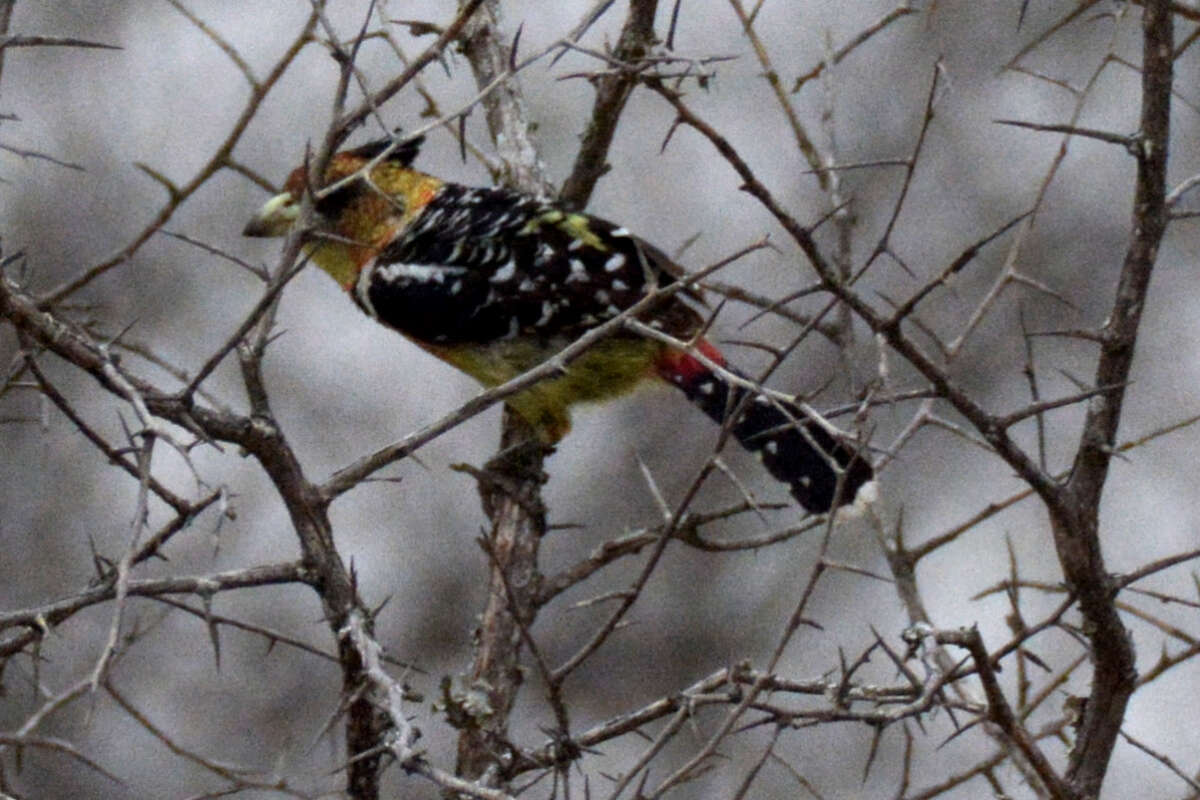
[{"x": 363, "y": 203}]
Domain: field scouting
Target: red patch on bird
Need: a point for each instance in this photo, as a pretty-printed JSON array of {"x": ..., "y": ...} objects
[
  {"x": 426, "y": 195},
  {"x": 684, "y": 368}
]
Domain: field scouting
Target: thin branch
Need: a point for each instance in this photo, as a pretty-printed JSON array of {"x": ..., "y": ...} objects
[
  {"x": 43, "y": 618},
  {"x": 16, "y": 40},
  {"x": 215, "y": 163},
  {"x": 1001, "y": 713}
]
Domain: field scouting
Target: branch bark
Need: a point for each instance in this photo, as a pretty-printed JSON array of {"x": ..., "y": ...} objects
[
  {"x": 512, "y": 492},
  {"x": 612, "y": 92},
  {"x": 262, "y": 438},
  {"x": 1076, "y": 522}
]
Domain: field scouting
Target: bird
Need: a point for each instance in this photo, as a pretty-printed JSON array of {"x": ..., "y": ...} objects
[{"x": 494, "y": 282}]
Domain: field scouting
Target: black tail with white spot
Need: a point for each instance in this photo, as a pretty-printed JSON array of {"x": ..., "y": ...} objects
[{"x": 793, "y": 448}]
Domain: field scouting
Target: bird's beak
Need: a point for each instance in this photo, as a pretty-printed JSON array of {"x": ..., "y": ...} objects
[{"x": 275, "y": 218}]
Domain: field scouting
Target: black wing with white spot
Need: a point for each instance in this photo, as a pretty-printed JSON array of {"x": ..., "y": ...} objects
[{"x": 480, "y": 264}]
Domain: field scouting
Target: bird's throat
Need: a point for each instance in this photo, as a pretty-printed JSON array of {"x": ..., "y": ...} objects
[{"x": 340, "y": 261}]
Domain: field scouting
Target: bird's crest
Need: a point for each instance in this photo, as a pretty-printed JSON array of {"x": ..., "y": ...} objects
[{"x": 404, "y": 154}]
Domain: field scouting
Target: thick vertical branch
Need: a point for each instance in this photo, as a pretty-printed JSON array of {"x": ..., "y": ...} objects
[
  {"x": 511, "y": 492},
  {"x": 309, "y": 512},
  {"x": 1148, "y": 225},
  {"x": 612, "y": 92},
  {"x": 6, "y": 9},
  {"x": 512, "y": 496},
  {"x": 505, "y": 108},
  {"x": 1076, "y": 522},
  {"x": 365, "y": 725}
]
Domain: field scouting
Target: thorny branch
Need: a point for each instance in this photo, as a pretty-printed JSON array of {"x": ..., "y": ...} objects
[{"x": 735, "y": 701}]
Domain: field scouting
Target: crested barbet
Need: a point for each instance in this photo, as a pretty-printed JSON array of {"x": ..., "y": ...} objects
[{"x": 495, "y": 282}]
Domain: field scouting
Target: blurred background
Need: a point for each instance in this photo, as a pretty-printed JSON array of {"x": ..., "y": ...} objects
[{"x": 342, "y": 386}]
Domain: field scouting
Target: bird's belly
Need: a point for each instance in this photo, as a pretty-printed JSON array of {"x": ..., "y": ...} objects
[{"x": 609, "y": 368}]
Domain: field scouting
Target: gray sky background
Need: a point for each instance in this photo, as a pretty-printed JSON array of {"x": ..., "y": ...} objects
[{"x": 342, "y": 385}]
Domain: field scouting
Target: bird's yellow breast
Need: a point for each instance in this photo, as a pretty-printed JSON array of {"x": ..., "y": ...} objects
[{"x": 610, "y": 368}]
